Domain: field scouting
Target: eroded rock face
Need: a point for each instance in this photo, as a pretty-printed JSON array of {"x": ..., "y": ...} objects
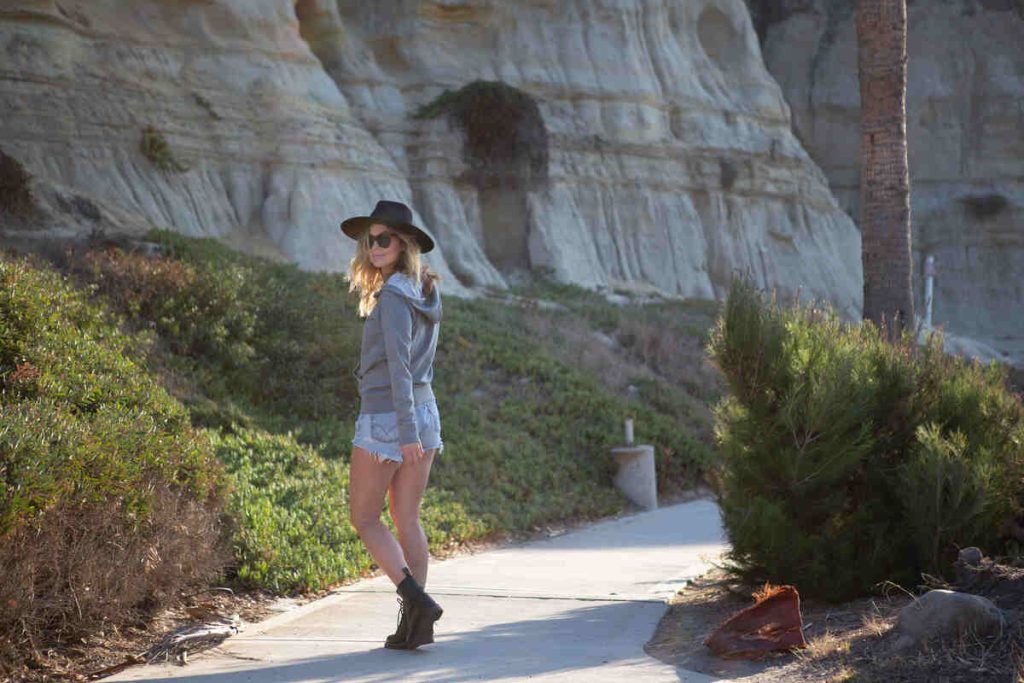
[
  {"x": 965, "y": 127},
  {"x": 262, "y": 150},
  {"x": 671, "y": 161}
]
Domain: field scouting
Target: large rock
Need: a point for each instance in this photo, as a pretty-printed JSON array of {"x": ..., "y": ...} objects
[
  {"x": 942, "y": 615},
  {"x": 1000, "y": 583},
  {"x": 965, "y": 128},
  {"x": 671, "y": 161}
]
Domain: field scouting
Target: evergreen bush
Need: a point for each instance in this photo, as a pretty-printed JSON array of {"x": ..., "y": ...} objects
[
  {"x": 847, "y": 461},
  {"x": 203, "y": 309},
  {"x": 109, "y": 500}
]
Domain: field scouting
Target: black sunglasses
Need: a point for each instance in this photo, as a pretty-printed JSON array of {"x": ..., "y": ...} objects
[{"x": 383, "y": 239}]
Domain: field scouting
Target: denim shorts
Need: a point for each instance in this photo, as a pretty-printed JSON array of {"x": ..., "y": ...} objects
[{"x": 378, "y": 432}]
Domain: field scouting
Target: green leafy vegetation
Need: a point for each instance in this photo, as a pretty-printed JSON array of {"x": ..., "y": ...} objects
[
  {"x": 104, "y": 484},
  {"x": 537, "y": 430},
  {"x": 291, "y": 507},
  {"x": 846, "y": 461},
  {"x": 262, "y": 353},
  {"x": 191, "y": 413},
  {"x": 154, "y": 147},
  {"x": 505, "y": 133}
]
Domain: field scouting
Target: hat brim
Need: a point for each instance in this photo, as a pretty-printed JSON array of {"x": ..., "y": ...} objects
[{"x": 356, "y": 226}]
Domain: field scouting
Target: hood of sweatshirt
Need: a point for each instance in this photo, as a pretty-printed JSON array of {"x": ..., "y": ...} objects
[{"x": 429, "y": 306}]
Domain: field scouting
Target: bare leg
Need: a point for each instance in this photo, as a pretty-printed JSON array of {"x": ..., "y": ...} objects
[
  {"x": 368, "y": 482},
  {"x": 405, "y": 495}
]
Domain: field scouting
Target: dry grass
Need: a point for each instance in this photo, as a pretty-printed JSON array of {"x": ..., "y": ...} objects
[
  {"x": 678, "y": 354},
  {"x": 586, "y": 348},
  {"x": 826, "y": 645},
  {"x": 115, "y": 644},
  {"x": 79, "y": 572},
  {"x": 844, "y": 674},
  {"x": 876, "y": 624}
]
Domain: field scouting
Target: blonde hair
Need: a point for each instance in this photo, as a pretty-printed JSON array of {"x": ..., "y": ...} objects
[{"x": 365, "y": 278}]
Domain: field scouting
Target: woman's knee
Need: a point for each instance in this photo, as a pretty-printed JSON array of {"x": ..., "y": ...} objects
[
  {"x": 406, "y": 519},
  {"x": 362, "y": 520}
]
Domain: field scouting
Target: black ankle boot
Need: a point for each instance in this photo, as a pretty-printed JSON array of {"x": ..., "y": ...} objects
[
  {"x": 396, "y": 640},
  {"x": 423, "y": 612}
]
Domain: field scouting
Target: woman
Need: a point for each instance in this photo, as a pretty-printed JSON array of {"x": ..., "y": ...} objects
[{"x": 398, "y": 430}]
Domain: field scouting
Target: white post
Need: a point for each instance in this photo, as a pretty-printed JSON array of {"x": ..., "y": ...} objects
[
  {"x": 629, "y": 431},
  {"x": 929, "y": 287}
]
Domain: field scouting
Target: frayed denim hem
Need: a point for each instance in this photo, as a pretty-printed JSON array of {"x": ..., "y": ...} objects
[
  {"x": 379, "y": 454},
  {"x": 385, "y": 456}
]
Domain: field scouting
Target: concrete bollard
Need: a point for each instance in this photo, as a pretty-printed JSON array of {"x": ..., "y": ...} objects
[{"x": 636, "y": 476}]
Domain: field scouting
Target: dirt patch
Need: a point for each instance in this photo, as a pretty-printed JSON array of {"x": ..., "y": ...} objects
[
  {"x": 851, "y": 641},
  {"x": 74, "y": 661}
]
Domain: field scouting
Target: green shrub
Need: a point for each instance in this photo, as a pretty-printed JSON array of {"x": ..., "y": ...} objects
[
  {"x": 302, "y": 329},
  {"x": 108, "y": 499},
  {"x": 256, "y": 337},
  {"x": 291, "y": 513},
  {"x": 526, "y": 434},
  {"x": 291, "y": 509},
  {"x": 155, "y": 148},
  {"x": 847, "y": 461},
  {"x": 202, "y": 309},
  {"x": 537, "y": 430}
]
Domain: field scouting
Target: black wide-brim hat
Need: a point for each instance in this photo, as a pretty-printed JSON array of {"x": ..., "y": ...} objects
[{"x": 394, "y": 215}]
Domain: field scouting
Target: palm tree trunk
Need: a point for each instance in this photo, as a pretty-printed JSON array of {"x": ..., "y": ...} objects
[{"x": 884, "y": 177}]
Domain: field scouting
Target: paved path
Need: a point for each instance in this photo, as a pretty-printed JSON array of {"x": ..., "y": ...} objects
[{"x": 577, "y": 607}]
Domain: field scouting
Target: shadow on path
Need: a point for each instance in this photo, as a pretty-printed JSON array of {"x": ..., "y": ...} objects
[{"x": 574, "y": 639}]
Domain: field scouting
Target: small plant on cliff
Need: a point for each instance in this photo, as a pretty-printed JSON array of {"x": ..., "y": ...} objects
[
  {"x": 847, "y": 461},
  {"x": 206, "y": 106},
  {"x": 155, "y": 148},
  {"x": 505, "y": 133}
]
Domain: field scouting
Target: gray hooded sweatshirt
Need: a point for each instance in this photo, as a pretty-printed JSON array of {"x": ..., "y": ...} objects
[{"x": 396, "y": 364}]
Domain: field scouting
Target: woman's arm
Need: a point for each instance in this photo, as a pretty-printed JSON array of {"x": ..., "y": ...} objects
[{"x": 396, "y": 319}]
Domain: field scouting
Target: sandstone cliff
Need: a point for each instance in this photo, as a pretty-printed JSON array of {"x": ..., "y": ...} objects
[
  {"x": 965, "y": 127},
  {"x": 669, "y": 162}
]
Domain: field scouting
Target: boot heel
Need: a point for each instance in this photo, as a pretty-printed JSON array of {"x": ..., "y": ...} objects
[
  {"x": 421, "y": 631},
  {"x": 423, "y": 612}
]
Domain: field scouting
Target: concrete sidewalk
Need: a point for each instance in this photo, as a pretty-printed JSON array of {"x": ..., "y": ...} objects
[{"x": 577, "y": 607}]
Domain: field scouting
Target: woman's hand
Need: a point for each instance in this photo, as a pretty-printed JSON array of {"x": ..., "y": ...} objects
[{"x": 412, "y": 451}]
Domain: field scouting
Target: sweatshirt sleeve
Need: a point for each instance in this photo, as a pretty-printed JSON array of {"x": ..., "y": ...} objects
[{"x": 396, "y": 320}]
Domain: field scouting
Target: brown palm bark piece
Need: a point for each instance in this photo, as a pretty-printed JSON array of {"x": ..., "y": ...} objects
[{"x": 772, "y": 624}]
